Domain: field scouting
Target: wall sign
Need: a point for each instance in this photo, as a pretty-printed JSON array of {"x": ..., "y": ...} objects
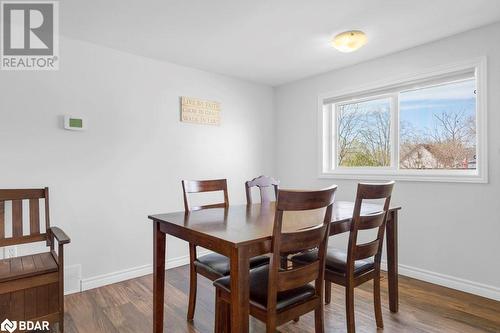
[{"x": 198, "y": 111}]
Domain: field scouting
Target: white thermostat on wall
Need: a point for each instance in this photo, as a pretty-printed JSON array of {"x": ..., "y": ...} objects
[{"x": 73, "y": 123}]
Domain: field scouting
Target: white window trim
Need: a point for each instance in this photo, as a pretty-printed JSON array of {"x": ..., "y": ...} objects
[{"x": 325, "y": 133}]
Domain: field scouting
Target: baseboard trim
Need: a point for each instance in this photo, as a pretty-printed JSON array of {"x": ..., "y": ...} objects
[
  {"x": 449, "y": 281},
  {"x": 444, "y": 280},
  {"x": 72, "y": 291},
  {"x": 110, "y": 278},
  {"x": 131, "y": 273}
]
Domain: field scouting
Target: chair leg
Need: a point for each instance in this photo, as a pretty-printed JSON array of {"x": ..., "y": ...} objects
[
  {"x": 222, "y": 314},
  {"x": 328, "y": 292},
  {"x": 271, "y": 324},
  {"x": 193, "y": 284},
  {"x": 376, "y": 300},
  {"x": 319, "y": 319},
  {"x": 61, "y": 323},
  {"x": 226, "y": 317},
  {"x": 61, "y": 314},
  {"x": 218, "y": 312},
  {"x": 349, "y": 307}
]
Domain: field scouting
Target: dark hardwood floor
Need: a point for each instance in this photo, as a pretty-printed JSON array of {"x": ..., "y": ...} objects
[{"x": 424, "y": 307}]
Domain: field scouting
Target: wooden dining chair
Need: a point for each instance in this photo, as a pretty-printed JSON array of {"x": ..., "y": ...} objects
[
  {"x": 214, "y": 265},
  {"x": 361, "y": 263},
  {"x": 31, "y": 286},
  {"x": 263, "y": 183},
  {"x": 280, "y": 295}
]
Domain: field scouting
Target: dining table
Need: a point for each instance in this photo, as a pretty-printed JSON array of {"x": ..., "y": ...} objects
[{"x": 241, "y": 232}]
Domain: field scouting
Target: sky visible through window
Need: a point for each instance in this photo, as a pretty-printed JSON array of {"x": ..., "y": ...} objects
[{"x": 418, "y": 107}]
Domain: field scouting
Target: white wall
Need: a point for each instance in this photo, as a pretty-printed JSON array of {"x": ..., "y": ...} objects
[
  {"x": 449, "y": 232},
  {"x": 129, "y": 163}
]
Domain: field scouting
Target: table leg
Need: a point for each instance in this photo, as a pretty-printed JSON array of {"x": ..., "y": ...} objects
[
  {"x": 158, "y": 277},
  {"x": 240, "y": 306},
  {"x": 392, "y": 260}
]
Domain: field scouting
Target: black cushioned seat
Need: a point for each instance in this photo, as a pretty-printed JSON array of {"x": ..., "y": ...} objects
[
  {"x": 336, "y": 261},
  {"x": 258, "y": 290},
  {"x": 219, "y": 264}
]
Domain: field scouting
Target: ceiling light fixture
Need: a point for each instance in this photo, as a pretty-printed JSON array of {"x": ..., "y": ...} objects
[{"x": 349, "y": 41}]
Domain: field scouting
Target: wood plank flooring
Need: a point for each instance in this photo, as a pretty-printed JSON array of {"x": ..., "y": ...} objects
[{"x": 424, "y": 307}]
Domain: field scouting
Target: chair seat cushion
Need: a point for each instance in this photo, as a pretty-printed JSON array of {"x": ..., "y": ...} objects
[
  {"x": 219, "y": 264},
  {"x": 336, "y": 261},
  {"x": 258, "y": 290},
  {"x": 26, "y": 266}
]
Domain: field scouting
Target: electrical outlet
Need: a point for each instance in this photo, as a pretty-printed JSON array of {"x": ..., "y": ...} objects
[{"x": 10, "y": 252}]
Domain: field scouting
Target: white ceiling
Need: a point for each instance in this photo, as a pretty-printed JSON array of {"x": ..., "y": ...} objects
[{"x": 267, "y": 41}]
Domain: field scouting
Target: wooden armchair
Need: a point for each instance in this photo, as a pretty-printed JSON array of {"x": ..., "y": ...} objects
[{"x": 31, "y": 286}]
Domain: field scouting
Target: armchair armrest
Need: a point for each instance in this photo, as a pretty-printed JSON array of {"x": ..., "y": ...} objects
[{"x": 58, "y": 234}]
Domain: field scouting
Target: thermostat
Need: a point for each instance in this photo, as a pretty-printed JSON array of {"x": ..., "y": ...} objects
[{"x": 75, "y": 123}]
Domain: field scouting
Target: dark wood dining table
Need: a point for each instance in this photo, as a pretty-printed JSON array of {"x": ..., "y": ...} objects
[{"x": 244, "y": 231}]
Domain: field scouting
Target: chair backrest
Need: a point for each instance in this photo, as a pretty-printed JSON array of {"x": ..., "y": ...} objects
[
  {"x": 369, "y": 221},
  {"x": 315, "y": 237},
  {"x": 197, "y": 186},
  {"x": 16, "y": 198},
  {"x": 263, "y": 183}
]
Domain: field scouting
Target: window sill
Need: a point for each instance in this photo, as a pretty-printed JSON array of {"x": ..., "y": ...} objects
[{"x": 385, "y": 175}]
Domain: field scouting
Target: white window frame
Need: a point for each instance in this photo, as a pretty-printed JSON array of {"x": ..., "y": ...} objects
[{"x": 327, "y": 138}]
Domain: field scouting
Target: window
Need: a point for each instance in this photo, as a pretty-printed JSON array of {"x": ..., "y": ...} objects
[
  {"x": 431, "y": 127},
  {"x": 438, "y": 126},
  {"x": 363, "y": 133}
]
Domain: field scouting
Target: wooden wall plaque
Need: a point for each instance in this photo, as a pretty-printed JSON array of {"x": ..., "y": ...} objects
[{"x": 198, "y": 111}]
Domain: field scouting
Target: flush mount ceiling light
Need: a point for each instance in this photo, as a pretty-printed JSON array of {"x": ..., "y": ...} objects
[{"x": 349, "y": 41}]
